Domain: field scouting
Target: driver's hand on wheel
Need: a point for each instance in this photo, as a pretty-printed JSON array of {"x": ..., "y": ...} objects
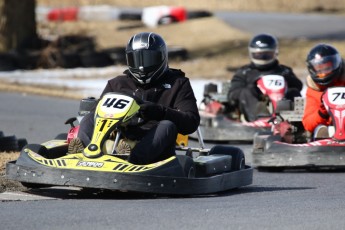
[
  {"x": 323, "y": 111},
  {"x": 151, "y": 111}
]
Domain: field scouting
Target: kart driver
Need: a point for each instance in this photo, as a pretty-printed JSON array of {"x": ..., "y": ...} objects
[
  {"x": 169, "y": 102},
  {"x": 326, "y": 69},
  {"x": 243, "y": 94}
]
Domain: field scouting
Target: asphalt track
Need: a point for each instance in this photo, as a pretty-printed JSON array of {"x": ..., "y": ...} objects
[
  {"x": 288, "y": 200},
  {"x": 287, "y": 25}
]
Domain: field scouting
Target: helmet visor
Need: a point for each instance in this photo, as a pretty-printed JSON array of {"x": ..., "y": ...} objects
[
  {"x": 324, "y": 66},
  {"x": 263, "y": 55},
  {"x": 138, "y": 59}
]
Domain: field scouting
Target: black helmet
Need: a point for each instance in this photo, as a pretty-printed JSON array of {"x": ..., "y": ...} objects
[
  {"x": 147, "y": 57},
  {"x": 324, "y": 64},
  {"x": 263, "y": 49}
]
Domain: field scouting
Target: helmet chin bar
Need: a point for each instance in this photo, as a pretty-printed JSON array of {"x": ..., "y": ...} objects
[
  {"x": 146, "y": 78},
  {"x": 141, "y": 79},
  {"x": 262, "y": 62}
]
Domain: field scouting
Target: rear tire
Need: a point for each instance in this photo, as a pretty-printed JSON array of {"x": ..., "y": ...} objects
[
  {"x": 238, "y": 158},
  {"x": 21, "y": 143},
  {"x": 8, "y": 143},
  {"x": 187, "y": 165}
]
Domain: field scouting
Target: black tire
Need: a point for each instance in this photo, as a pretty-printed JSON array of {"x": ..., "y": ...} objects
[
  {"x": 8, "y": 62},
  {"x": 8, "y": 143},
  {"x": 177, "y": 53},
  {"x": 198, "y": 14},
  {"x": 1, "y": 134},
  {"x": 117, "y": 54},
  {"x": 35, "y": 186},
  {"x": 96, "y": 59},
  {"x": 187, "y": 165},
  {"x": 70, "y": 60},
  {"x": 130, "y": 15},
  {"x": 61, "y": 136},
  {"x": 21, "y": 143},
  {"x": 238, "y": 158}
]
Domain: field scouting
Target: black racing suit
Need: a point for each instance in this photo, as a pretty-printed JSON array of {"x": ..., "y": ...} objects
[
  {"x": 156, "y": 138},
  {"x": 244, "y": 94}
]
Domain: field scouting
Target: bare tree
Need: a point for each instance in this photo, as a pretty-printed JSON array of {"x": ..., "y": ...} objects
[{"x": 17, "y": 24}]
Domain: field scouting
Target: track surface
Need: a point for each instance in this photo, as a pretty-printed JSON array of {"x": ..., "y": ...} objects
[
  {"x": 289, "y": 200},
  {"x": 284, "y": 25}
]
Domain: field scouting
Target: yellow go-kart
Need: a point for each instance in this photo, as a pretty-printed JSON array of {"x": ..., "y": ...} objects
[{"x": 191, "y": 171}]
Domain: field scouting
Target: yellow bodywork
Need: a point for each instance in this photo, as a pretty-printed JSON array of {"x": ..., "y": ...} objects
[
  {"x": 111, "y": 111},
  {"x": 105, "y": 163}
]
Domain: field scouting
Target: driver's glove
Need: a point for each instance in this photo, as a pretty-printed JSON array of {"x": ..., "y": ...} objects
[
  {"x": 323, "y": 111},
  {"x": 152, "y": 111}
]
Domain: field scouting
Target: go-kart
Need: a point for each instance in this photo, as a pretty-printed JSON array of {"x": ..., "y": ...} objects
[
  {"x": 289, "y": 146},
  {"x": 101, "y": 166},
  {"x": 219, "y": 125}
]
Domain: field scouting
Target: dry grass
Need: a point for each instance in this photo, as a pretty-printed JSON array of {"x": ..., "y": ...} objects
[
  {"x": 212, "y": 44},
  {"x": 7, "y": 185}
]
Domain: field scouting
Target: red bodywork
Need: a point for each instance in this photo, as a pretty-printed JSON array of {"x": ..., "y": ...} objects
[
  {"x": 72, "y": 133},
  {"x": 334, "y": 101},
  {"x": 274, "y": 86}
]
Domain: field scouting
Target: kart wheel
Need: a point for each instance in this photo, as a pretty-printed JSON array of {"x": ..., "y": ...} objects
[
  {"x": 35, "y": 186},
  {"x": 8, "y": 143},
  {"x": 238, "y": 158},
  {"x": 187, "y": 165},
  {"x": 21, "y": 143}
]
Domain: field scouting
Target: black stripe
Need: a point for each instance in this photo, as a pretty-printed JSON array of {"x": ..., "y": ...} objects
[
  {"x": 138, "y": 169},
  {"x": 123, "y": 167},
  {"x": 133, "y": 168},
  {"x": 59, "y": 163},
  {"x": 117, "y": 166},
  {"x": 63, "y": 162}
]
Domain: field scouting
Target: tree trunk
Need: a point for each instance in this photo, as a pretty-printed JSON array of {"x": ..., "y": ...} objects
[{"x": 17, "y": 24}]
